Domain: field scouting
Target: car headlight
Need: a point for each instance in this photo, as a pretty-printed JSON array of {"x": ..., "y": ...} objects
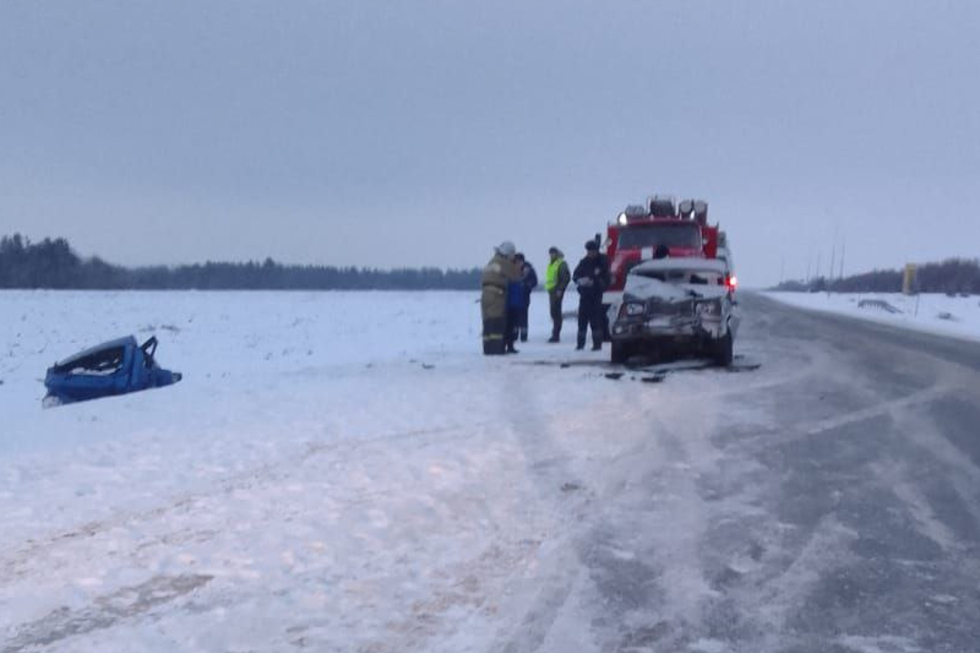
[{"x": 634, "y": 309}]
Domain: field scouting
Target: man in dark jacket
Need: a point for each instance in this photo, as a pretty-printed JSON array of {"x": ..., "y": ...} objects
[
  {"x": 591, "y": 277},
  {"x": 556, "y": 280},
  {"x": 529, "y": 281}
]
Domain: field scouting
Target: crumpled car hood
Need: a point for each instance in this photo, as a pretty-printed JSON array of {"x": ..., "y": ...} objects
[{"x": 642, "y": 287}]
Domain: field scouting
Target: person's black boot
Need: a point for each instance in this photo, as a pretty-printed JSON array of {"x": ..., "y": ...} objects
[{"x": 597, "y": 347}]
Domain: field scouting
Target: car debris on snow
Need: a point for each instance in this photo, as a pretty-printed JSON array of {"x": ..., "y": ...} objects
[{"x": 115, "y": 367}]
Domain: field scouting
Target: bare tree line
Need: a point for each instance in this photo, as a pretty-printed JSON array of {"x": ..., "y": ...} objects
[
  {"x": 955, "y": 275},
  {"x": 52, "y": 263}
]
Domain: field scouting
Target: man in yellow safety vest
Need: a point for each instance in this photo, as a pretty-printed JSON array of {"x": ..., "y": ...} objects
[{"x": 556, "y": 280}]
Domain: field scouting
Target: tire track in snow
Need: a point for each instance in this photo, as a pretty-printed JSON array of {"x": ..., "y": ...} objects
[
  {"x": 104, "y": 612},
  {"x": 601, "y": 582}
]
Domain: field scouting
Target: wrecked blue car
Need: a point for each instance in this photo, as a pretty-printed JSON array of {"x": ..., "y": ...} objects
[{"x": 112, "y": 368}]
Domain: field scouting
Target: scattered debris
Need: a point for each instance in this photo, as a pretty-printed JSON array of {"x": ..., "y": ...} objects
[
  {"x": 570, "y": 487},
  {"x": 743, "y": 367},
  {"x": 427, "y": 366},
  {"x": 945, "y": 315},
  {"x": 163, "y": 327},
  {"x": 654, "y": 370}
]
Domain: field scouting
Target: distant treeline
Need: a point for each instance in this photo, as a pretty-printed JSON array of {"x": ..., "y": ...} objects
[
  {"x": 950, "y": 276},
  {"x": 51, "y": 263}
]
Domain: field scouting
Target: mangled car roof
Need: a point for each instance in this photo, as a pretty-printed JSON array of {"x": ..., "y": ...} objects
[{"x": 111, "y": 344}]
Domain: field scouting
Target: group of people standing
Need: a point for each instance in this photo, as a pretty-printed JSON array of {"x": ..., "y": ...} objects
[{"x": 508, "y": 280}]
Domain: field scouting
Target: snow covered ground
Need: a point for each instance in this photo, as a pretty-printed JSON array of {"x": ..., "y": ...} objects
[
  {"x": 347, "y": 472},
  {"x": 932, "y": 313},
  {"x": 336, "y": 471}
]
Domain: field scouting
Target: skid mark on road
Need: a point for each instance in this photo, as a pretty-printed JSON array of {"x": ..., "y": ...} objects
[
  {"x": 825, "y": 548},
  {"x": 884, "y": 408},
  {"x": 895, "y": 476},
  {"x": 962, "y": 473},
  {"x": 882, "y": 644}
]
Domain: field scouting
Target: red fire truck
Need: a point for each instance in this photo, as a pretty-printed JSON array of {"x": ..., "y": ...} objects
[{"x": 640, "y": 231}]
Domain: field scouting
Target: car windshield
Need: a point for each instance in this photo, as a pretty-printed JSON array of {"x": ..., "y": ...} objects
[{"x": 674, "y": 235}]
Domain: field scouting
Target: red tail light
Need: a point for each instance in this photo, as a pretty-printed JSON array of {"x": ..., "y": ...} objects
[{"x": 732, "y": 282}]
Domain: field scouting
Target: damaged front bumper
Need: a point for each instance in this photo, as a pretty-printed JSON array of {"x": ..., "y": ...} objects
[
  {"x": 679, "y": 322},
  {"x": 671, "y": 328}
]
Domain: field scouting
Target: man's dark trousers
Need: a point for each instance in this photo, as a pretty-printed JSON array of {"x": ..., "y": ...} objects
[
  {"x": 590, "y": 314},
  {"x": 554, "y": 299}
]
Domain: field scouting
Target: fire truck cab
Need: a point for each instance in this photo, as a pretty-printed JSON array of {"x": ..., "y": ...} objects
[{"x": 660, "y": 227}]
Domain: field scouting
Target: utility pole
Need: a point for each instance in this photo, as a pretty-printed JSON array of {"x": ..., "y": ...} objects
[
  {"x": 833, "y": 256},
  {"x": 842, "y": 246}
]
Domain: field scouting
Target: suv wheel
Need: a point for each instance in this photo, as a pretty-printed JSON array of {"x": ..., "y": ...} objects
[
  {"x": 724, "y": 351},
  {"x": 620, "y": 353}
]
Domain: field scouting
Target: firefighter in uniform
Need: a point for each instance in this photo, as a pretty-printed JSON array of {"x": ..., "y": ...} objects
[
  {"x": 497, "y": 276},
  {"x": 591, "y": 277}
]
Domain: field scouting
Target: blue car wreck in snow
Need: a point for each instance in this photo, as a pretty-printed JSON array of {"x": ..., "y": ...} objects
[{"x": 112, "y": 368}]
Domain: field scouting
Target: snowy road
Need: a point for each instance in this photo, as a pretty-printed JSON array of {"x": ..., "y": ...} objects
[{"x": 344, "y": 472}]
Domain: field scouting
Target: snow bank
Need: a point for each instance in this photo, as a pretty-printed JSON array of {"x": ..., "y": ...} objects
[{"x": 932, "y": 313}]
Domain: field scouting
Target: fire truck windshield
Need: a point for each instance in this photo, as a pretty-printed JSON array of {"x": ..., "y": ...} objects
[{"x": 683, "y": 235}]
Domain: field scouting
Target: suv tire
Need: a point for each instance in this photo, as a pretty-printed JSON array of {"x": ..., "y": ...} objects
[
  {"x": 724, "y": 353},
  {"x": 619, "y": 353}
]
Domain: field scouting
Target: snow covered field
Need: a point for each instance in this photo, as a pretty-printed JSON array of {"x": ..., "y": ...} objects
[
  {"x": 336, "y": 471},
  {"x": 932, "y": 313}
]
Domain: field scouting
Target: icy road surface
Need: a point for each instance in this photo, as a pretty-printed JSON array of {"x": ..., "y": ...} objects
[{"x": 346, "y": 472}]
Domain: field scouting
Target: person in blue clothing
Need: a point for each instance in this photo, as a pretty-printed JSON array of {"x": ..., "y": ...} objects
[
  {"x": 591, "y": 278},
  {"x": 515, "y": 308},
  {"x": 529, "y": 281}
]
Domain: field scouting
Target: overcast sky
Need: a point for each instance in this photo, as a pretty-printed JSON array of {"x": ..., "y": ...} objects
[{"x": 410, "y": 133}]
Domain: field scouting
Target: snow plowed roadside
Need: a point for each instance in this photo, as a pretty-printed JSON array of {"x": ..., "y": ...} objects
[{"x": 957, "y": 316}]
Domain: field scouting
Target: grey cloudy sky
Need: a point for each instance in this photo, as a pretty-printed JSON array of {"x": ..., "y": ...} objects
[{"x": 410, "y": 133}]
